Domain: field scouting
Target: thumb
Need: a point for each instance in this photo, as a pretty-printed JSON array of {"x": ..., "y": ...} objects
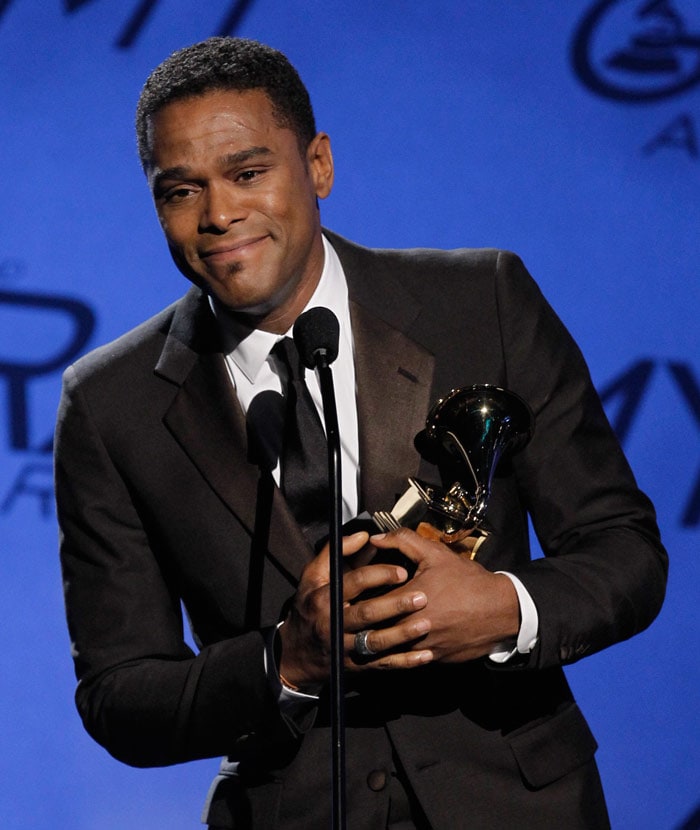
[
  {"x": 354, "y": 542},
  {"x": 318, "y": 568},
  {"x": 415, "y": 546}
]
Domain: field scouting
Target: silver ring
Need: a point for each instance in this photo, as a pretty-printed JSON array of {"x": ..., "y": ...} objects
[{"x": 361, "y": 646}]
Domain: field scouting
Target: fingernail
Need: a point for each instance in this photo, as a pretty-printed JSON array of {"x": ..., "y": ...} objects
[
  {"x": 422, "y": 627},
  {"x": 419, "y": 600},
  {"x": 377, "y": 537},
  {"x": 424, "y": 656}
]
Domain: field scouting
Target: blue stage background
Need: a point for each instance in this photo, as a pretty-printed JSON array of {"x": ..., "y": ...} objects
[{"x": 568, "y": 132}]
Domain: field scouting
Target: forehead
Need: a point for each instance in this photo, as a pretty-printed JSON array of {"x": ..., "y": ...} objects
[{"x": 213, "y": 122}]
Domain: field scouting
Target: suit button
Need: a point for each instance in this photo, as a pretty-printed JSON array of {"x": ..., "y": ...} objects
[{"x": 377, "y": 780}]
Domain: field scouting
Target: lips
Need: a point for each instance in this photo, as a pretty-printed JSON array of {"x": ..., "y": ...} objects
[{"x": 232, "y": 249}]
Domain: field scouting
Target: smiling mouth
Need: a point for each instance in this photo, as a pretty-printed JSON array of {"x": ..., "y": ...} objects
[{"x": 232, "y": 250}]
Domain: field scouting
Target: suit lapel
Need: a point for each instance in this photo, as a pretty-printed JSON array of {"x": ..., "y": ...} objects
[
  {"x": 394, "y": 378},
  {"x": 394, "y": 373},
  {"x": 208, "y": 423}
]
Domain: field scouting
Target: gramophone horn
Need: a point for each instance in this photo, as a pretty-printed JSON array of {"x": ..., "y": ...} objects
[{"x": 471, "y": 429}]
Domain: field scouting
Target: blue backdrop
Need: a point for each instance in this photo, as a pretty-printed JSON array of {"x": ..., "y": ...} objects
[{"x": 569, "y": 132}]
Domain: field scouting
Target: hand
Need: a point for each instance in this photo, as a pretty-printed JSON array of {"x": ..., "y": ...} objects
[
  {"x": 469, "y": 610},
  {"x": 305, "y": 635}
]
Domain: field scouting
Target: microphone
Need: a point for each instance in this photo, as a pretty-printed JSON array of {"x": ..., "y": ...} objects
[
  {"x": 265, "y": 429},
  {"x": 316, "y": 334}
]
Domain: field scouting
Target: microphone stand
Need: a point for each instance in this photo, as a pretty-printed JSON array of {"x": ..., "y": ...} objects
[{"x": 325, "y": 380}]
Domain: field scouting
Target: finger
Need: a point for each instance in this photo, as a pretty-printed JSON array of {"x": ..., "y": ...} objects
[
  {"x": 395, "y": 660},
  {"x": 354, "y": 542},
  {"x": 368, "y": 577},
  {"x": 369, "y": 613},
  {"x": 402, "y": 660},
  {"x": 415, "y": 547},
  {"x": 394, "y": 638},
  {"x": 397, "y": 636},
  {"x": 318, "y": 570}
]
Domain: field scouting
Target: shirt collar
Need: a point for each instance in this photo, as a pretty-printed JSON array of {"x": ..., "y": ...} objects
[{"x": 249, "y": 349}]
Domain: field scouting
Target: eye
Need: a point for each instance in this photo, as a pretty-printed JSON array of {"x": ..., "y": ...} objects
[
  {"x": 249, "y": 175},
  {"x": 177, "y": 194}
]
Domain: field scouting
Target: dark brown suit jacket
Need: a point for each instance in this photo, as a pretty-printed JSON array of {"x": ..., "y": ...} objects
[{"x": 159, "y": 504}]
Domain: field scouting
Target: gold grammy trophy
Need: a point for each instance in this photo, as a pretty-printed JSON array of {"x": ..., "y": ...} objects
[{"x": 467, "y": 433}]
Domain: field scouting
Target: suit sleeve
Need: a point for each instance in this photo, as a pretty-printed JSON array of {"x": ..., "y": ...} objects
[
  {"x": 142, "y": 693},
  {"x": 604, "y": 573}
]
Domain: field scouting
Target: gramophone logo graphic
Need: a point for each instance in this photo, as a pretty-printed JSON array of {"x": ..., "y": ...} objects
[{"x": 636, "y": 51}]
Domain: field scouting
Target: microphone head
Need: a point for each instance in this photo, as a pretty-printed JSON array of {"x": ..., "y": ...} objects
[{"x": 316, "y": 334}]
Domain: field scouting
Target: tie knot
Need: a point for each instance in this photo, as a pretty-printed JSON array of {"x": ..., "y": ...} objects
[{"x": 286, "y": 350}]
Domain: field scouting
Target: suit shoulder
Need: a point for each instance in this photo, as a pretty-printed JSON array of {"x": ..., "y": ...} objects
[
  {"x": 143, "y": 342},
  {"x": 431, "y": 273},
  {"x": 468, "y": 266},
  {"x": 418, "y": 261}
]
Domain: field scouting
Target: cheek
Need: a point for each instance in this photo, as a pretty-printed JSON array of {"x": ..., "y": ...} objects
[
  {"x": 274, "y": 207},
  {"x": 176, "y": 232},
  {"x": 166, "y": 226},
  {"x": 291, "y": 203}
]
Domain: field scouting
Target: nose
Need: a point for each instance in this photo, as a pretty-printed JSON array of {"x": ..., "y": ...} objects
[{"x": 221, "y": 208}]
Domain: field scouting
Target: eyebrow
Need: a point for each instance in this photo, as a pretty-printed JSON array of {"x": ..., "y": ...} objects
[
  {"x": 245, "y": 155},
  {"x": 228, "y": 160}
]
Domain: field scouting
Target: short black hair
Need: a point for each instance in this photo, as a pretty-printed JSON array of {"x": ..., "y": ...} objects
[{"x": 221, "y": 63}]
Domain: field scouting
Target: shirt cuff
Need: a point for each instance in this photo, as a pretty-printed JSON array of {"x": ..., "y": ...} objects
[
  {"x": 529, "y": 625},
  {"x": 291, "y": 701}
]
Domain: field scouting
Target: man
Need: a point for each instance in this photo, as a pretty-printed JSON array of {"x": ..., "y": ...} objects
[{"x": 457, "y": 712}]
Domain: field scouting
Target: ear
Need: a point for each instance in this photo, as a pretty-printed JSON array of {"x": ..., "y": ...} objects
[{"x": 320, "y": 161}]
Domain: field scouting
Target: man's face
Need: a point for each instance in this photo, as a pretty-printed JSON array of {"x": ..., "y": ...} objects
[{"x": 237, "y": 202}]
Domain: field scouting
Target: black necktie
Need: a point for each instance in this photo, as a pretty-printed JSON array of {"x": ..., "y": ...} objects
[{"x": 304, "y": 459}]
